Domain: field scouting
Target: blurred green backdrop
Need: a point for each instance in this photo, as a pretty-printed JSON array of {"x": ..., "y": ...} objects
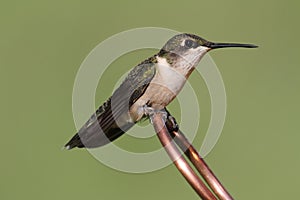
[{"x": 42, "y": 45}]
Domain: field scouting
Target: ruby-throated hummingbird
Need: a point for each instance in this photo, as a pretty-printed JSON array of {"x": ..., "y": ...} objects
[{"x": 154, "y": 83}]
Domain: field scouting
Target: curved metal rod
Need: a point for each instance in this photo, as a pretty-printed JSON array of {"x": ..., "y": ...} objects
[
  {"x": 179, "y": 161},
  {"x": 201, "y": 166}
]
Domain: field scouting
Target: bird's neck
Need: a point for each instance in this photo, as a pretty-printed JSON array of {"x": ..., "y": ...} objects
[{"x": 178, "y": 63}]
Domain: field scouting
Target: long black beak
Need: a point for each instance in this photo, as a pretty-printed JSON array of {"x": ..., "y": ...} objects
[{"x": 213, "y": 45}]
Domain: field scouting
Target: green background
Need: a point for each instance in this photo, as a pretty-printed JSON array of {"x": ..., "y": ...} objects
[{"x": 42, "y": 45}]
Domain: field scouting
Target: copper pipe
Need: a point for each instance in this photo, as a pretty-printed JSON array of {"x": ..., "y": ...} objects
[
  {"x": 201, "y": 166},
  {"x": 179, "y": 161}
]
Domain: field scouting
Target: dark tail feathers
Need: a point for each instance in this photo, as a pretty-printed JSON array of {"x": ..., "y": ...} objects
[{"x": 74, "y": 142}]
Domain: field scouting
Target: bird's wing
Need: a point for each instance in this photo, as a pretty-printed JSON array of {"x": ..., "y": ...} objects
[{"x": 111, "y": 119}]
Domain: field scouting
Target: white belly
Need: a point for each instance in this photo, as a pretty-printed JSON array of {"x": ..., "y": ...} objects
[{"x": 164, "y": 87}]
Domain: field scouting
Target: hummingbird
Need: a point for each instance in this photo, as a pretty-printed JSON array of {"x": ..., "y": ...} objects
[{"x": 151, "y": 85}]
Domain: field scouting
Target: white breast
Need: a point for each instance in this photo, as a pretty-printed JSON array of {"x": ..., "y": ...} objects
[
  {"x": 164, "y": 87},
  {"x": 168, "y": 77}
]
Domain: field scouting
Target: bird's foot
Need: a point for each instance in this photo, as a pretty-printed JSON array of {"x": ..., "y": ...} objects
[
  {"x": 171, "y": 123},
  {"x": 149, "y": 111}
]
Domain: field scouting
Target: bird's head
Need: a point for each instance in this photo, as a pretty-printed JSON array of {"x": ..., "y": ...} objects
[{"x": 190, "y": 48}]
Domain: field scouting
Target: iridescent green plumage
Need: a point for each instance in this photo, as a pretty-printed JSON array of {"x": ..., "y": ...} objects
[{"x": 104, "y": 125}]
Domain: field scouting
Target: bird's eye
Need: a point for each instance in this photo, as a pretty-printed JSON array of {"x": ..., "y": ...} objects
[{"x": 190, "y": 44}]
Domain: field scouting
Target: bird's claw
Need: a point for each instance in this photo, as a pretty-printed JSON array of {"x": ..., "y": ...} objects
[
  {"x": 171, "y": 123},
  {"x": 149, "y": 111}
]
